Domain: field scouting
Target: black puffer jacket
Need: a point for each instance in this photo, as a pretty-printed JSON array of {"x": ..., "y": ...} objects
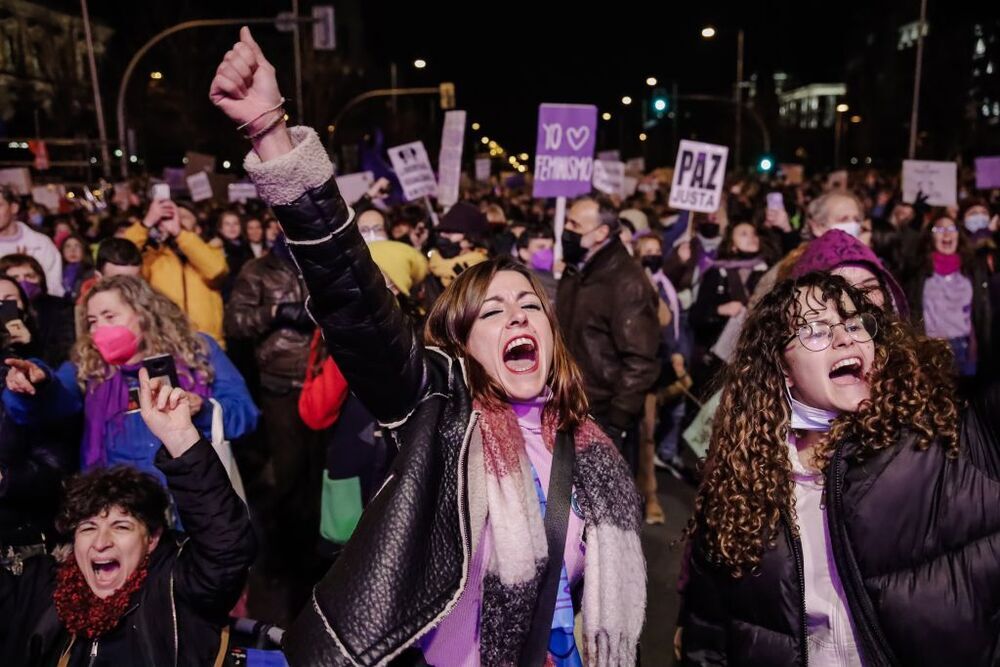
[
  {"x": 916, "y": 538},
  {"x": 178, "y": 613}
]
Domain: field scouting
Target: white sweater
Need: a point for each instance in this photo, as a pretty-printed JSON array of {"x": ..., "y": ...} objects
[
  {"x": 829, "y": 632},
  {"x": 29, "y": 242}
]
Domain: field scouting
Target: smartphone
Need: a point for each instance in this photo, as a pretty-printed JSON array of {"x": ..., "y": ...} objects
[
  {"x": 9, "y": 311},
  {"x": 775, "y": 201},
  {"x": 161, "y": 191},
  {"x": 162, "y": 366}
]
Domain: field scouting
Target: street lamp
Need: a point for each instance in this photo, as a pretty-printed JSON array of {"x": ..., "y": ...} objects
[
  {"x": 626, "y": 100},
  {"x": 475, "y": 126},
  {"x": 419, "y": 63},
  {"x": 156, "y": 76},
  {"x": 708, "y": 32},
  {"x": 642, "y": 136},
  {"x": 606, "y": 116},
  {"x": 837, "y": 132},
  {"x": 651, "y": 81}
]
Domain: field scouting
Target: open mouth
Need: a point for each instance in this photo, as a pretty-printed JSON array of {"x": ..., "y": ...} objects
[
  {"x": 520, "y": 355},
  {"x": 847, "y": 371},
  {"x": 105, "y": 570}
]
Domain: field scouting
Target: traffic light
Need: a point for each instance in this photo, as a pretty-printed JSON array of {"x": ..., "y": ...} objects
[
  {"x": 659, "y": 103},
  {"x": 447, "y": 94},
  {"x": 765, "y": 164}
]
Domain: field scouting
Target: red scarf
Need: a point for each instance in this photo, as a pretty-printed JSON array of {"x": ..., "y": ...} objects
[{"x": 81, "y": 611}]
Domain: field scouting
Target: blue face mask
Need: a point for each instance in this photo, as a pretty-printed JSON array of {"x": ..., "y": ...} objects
[{"x": 808, "y": 418}]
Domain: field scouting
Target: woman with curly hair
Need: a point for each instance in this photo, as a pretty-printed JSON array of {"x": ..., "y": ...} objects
[
  {"x": 848, "y": 512},
  {"x": 122, "y": 321}
]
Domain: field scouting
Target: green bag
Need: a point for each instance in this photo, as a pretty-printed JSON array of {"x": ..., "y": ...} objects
[{"x": 340, "y": 508}]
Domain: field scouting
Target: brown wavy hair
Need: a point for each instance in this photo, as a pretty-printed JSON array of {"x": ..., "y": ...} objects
[
  {"x": 165, "y": 330},
  {"x": 747, "y": 487},
  {"x": 451, "y": 319}
]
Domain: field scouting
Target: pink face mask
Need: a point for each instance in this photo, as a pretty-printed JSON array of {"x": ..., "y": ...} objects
[{"x": 117, "y": 344}]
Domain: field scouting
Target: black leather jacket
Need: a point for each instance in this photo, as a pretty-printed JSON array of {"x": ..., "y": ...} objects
[
  {"x": 407, "y": 563},
  {"x": 378, "y": 598}
]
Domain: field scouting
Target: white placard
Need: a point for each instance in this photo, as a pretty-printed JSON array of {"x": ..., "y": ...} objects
[
  {"x": 609, "y": 177},
  {"x": 353, "y": 186},
  {"x": 630, "y": 183},
  {"x": 483, "y": 169},
  {"x": 17, "y": 179},
  {"x": 613, "y": 155},
  {"x": 636, "y": 166},
  {"x": 698, "y": 176},
  {"x": 240, "y": 192},
  {"x": 450, "y": 158},
  {"x": 48, "y": 196},
  {"x": 413, "y": 169},
  {"x": 937, "y": 180},
  {"x": 199, "y": 186}
]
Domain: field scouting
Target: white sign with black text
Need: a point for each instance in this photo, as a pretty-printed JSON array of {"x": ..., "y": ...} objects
[
  {"x": 698, "y": 176},
  {"x": 413, "y": 169}
]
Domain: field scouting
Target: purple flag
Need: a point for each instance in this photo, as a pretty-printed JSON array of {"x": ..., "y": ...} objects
[
  {"x": 987, "y": 173},
  {"x": 564, "y": 156}
]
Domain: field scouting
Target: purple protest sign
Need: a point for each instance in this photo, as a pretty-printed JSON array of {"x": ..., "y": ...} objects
[
  {"x": 987, "y": 172},
  {"x": 564, "y": 156}
]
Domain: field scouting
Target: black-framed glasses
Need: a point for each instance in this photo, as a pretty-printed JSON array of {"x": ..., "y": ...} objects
[{"x": 817, "y": 336}]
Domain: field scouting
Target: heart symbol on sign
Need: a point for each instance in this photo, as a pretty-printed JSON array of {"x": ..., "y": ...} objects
[{"x": 577, "y": 136}]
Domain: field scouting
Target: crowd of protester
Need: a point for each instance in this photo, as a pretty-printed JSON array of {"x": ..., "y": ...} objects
[{"x": 338, "y": 372}]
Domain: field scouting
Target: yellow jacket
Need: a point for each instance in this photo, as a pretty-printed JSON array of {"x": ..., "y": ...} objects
[{"x": 191, "y": 284}]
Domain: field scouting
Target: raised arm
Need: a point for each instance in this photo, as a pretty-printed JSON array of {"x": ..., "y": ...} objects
[{"x": 365, "y": 331}]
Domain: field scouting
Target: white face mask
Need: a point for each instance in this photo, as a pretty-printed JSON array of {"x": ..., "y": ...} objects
[
  {"x": 976, "y": 222},
  {"x": 370, "y": 235},
  {"x": 852, "y": 228},
  {"x": 807, "y": 418}
]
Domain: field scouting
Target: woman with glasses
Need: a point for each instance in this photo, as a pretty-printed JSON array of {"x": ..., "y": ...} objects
[
  {"x": 848, "y": 510},
  {"x": 949, "y": 296}
]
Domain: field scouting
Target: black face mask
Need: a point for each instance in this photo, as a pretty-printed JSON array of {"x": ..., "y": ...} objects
[
  {"x": 573, "y": 252},
  {"x": 447, "y": 248},
  {"x": 709, "y": 230},
  {"x": 652, "y": 262}
]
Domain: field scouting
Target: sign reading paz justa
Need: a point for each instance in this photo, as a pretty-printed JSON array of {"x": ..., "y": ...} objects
[
  {"x": 413, "y": 169},
  {"x": 698, "y": 176}
]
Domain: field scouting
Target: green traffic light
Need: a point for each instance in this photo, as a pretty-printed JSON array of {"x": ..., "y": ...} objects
[{"x": 660, "y": 104}]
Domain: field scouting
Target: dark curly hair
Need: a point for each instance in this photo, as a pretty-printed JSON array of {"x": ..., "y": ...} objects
[
  {"x": 92, "y": 493},
  {"x": 747, "y": 485}
]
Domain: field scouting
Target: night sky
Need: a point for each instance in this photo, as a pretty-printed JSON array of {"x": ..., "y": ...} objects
[{"x": 508, "y": 57}]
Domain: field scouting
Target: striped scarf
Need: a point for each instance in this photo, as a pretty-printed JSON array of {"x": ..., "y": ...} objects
[{"x": 614, "y": 592}]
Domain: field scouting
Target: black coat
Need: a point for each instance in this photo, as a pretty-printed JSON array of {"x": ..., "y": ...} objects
[
  {"x": 915, "y": 537},
  {"x": 608, "y": 313},
  {"x": 177, "y": 615},
  {"x": 56, "y": 328},
  {"x": 32, "y": 464},
  {"x": 719, "y": 286}
]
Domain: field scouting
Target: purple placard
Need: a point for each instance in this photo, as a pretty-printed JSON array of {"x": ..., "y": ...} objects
[
  {"x": 987, "y": 172},
  {"x": 564, "y": 156}
]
